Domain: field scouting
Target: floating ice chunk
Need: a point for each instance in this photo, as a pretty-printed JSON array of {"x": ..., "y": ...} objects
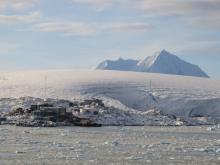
[
  {"x": 204, "y": 149},
  {"x": 163, "y": 142},
  {"x": 218, "y": 150},
  {"x": 106, "y": 143},
  {"x": 199, "y": 149},
  {"x": 135, "y": 158},
  {"x": 63, "y": 134},
  {"x": 26, "y": 132},
  {"x": 115, "y": 143},
  {"x": 148, "y": 161},
  {"x": 19, "y": 152}
]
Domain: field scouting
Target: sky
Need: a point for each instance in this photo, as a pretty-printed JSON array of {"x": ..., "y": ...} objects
[{"x": 69, "y": 34}]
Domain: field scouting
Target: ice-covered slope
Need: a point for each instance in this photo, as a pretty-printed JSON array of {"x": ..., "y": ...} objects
[
  {"x": 161, "y": 62},
  {"x": 128, "y": 91}
]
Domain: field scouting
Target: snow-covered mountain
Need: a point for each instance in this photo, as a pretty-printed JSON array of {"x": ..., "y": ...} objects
[{"x": 161, "y": 62}]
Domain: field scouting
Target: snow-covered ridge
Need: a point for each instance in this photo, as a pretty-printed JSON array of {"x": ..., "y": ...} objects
[
  {"x": 160, "y": 62},
  {"x": 120, "y": 64}
]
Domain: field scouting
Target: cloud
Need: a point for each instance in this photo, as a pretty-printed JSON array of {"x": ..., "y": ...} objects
[
  {"x": 127, "y": 27},
  {"x": 159, "y": 7},
  {"x": 87, "y": 29},
  {"x": 68, "y": 28},
  {"x": 94, "y": 2},
  {"x": 173, "y": 7},
  {"x": 14, "y": 19},
  {"x": 202, "y": 12},
  {"x": 98, "y": 4},
  {"x": 207, "y": 21},
  {"x": 16, "y": 4}
]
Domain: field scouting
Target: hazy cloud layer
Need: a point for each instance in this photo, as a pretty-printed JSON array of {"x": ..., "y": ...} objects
[
  {"x": 198, "y": 12},
  {"x": 16, "y": 4},
  {"x": 100, "y": 5},
  {"x": 87, "y": 29},
  {"x": 155, "y": 7},
  {"x": 14, "y": 19},
  {"x": 68, "y": 28},
  {"x": 127, "y": 27}
]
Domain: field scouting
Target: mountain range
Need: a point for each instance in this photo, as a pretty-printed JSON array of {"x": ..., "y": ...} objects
[{"x": 161, "y": 62}]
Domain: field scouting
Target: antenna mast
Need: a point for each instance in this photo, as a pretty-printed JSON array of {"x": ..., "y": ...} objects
[
  {"x": 45, "y": 87},
  {"x": 150, "y": 93}
]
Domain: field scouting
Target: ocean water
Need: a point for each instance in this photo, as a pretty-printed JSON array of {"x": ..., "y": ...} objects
[{"x": 109, "y": 145}]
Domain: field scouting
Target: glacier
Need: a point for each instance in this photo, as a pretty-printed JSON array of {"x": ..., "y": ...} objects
[{"x": 128, "y": 94}]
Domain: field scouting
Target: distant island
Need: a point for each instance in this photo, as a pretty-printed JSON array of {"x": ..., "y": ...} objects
[{"x": 161, "y": 62}]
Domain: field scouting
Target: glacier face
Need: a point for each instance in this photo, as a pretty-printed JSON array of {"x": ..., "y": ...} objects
[
  {"x": 162, "y": 62},
  {"x": 127, "y": 91}
]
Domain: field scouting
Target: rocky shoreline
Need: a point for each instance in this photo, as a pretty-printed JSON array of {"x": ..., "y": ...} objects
[{"x": 36, "y": 112}]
